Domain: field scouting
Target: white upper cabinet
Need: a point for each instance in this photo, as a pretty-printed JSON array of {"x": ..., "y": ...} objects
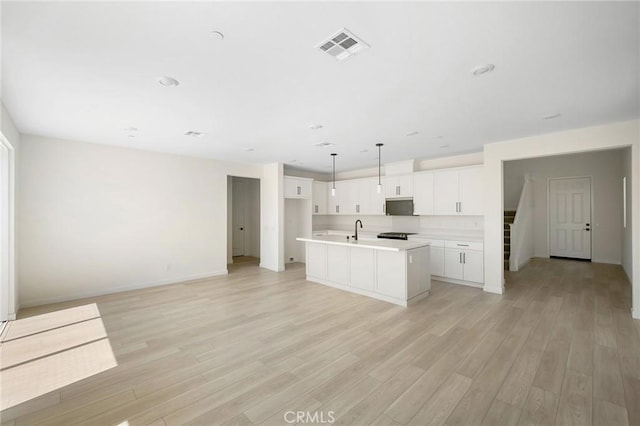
[
  {"x": 376, "y": 200},
  {"x": 297, "y": 187},
  {"x": 458, "y": 191},
  {"x": 338, "y": 203},
  {"x": 471, "y": 191},
  {"x": 398, "y": 186},
  {"x": 361, "y": 204},
  {"x": 423, "y": 193},
  {"x": 320, "y": 201}
]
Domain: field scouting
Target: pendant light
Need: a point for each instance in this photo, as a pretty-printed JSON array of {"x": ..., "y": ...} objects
[
  {"x": 379, "y": 145},
  {"x": 333, "y": 189}
]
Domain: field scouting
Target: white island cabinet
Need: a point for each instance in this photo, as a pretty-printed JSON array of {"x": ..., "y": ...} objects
[{"x": 389, "y": 270}]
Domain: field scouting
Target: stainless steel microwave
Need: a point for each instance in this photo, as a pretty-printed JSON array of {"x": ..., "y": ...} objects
[{"x": 399, "y": 207}]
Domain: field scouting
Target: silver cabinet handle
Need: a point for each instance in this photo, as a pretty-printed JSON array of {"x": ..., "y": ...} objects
[
  {"x": 397, "y": 190},
  {"x": 460, "y": 255},
  {"x": 298, "y": 190},
  {"x": 357, "y": 208},
  {"x": 460, "y": 202},
  {"x": 462, "y": 245},
  {"x": 337, "y": 209},
  {"x": 464, "y": 257},
  {"x": 316, "y": 208}
]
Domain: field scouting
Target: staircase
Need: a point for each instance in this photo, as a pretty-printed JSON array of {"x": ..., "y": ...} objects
[{"x": 509, "y": 216}]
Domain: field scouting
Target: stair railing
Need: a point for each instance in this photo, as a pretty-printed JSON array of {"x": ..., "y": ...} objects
[{"x": 522, "y": 228}]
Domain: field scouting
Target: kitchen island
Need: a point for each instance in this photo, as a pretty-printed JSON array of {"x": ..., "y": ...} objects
[{"x": 394, "y": 271}]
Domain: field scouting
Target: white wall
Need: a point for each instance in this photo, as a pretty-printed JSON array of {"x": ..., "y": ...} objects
[
  {"x": 272, "y": 217},
  {"x": 627, "y": 232},
  {"x": 605, "y": 170},
  {"x": 610, "y": 136},
  {"x": 100, "y": 219},
  {"x": 12, "y": 138}
]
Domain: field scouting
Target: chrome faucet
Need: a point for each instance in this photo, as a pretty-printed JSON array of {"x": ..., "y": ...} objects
[{"x": 355, "y": 237}]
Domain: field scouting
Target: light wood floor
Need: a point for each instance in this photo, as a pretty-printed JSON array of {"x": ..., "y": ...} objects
[{"x": 559, "y": 347}]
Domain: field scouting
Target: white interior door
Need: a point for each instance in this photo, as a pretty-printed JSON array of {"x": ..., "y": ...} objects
[
  {"x": 4, "y": 233},
  {"x": 238, "y": 216},
  {"x": 570, "y": 217}
]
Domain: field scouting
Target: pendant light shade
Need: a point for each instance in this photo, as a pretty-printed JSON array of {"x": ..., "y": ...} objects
[
  {"x": 333, "y": 188},
  {"x": 379, "y": 145}
]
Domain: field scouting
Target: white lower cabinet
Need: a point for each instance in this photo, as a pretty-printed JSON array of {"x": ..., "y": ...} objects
[
  {"x": 398, "y": 277},
  {"x": 464, "y": 261},
  {"x": 363, "y": 268},
  {"x": 338, "y": 264}
]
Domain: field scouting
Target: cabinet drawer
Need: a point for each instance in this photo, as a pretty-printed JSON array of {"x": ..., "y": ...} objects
[
  {"x": 434, "y": 243},
  {"x": 465, "y": 245}
]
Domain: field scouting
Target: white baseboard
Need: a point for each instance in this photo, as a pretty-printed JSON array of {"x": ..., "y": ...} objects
[
  {"x": 635, "y": 313},
  {"x": 611, "y": 262},
  {"x": 120, "y": 289},
  {"x": 263, "y": 266},
  {"x": 454, "y": 281}
]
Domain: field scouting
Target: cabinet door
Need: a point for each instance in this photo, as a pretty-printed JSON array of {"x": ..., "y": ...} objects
[
  {"x": 423, "y": 193},
  {"x": 304, "y": 188},
  {"x": 446, "y": 192},
  {"x": 405, "y": 182},
  {"x": 290, "y": 187},
  {"x": 320, "y": 198},
  {"x": 392, "y": 273},
  {"x": 338, "y": 264},
  {"x": 317, "y": 260},
  {"x": 337, "y": 203},
  {"x": 437, "y": 261},
  {"x": 471, "y": 191},
  {"x": 453, "y": 267},
  {"x": 391, "y": 187},
  {"x": 363, "y": 200},
  {"x": 376, "y": 200},
  {"x": 362, "y": 269},
  {"x": 473, "y": 266},
  {"x": 351, "y": 189}
]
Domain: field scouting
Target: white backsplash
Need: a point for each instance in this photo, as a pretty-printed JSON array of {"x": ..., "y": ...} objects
[{"x": 419, "y": 224}]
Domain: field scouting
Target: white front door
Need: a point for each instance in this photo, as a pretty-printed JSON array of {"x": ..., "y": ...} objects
[
  {"x": 570, "y": 217},
  {"x": 239, "y": 191}
]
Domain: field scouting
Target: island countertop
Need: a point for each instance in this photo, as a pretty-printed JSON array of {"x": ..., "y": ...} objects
[{"x": 372, "y": 243}]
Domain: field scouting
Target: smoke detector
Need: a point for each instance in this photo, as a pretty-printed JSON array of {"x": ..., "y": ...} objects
[{"x": 342, "y": 44}]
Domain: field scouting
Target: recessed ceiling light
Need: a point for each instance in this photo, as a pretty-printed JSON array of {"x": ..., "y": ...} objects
[
  {"x": 483, "y": 69},
  {"x": 132, "y": 136},
  {"x": 131, "y": 129},
  {"x": 324, "y": 144},
  {"x": 193, "y": 133},
  {"x": 316, "y": 127},
  {"x": 552, "y": 116},
  {"x": 364, "y": 150},
  {"x": 168, "y": 81},
  {"x": 249, "y": 149},
  {"x": 444, "y": 146},
  {"x": 413, "y": 133},
  {"x": 217, "y": 34}
]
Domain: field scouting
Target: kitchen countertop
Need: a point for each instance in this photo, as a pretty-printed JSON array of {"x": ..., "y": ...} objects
[{"x": 366, "y": 242}]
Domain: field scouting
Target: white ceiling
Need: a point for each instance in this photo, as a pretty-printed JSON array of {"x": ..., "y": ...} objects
[{"x": 88, "y": 71}]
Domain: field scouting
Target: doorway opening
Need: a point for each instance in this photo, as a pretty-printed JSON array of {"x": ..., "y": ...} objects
[
  {"x": 7, "y": 231},
  {"x": 567, "y": 206},
  {"x": 243, "y": 220}
]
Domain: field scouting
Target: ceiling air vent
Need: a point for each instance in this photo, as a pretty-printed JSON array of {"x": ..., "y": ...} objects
[{"x": 342, "y": 45}]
